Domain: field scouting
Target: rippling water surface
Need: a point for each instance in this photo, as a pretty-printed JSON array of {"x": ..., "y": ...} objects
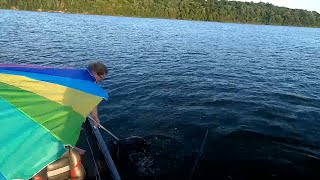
[{"x": 255, "y": 88}]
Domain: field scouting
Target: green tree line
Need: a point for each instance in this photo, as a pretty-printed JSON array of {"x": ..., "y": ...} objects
[{"x": 205, "y": 10}]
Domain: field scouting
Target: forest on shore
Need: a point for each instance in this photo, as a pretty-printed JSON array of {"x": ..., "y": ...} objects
[{"x": 204, "y": 10}]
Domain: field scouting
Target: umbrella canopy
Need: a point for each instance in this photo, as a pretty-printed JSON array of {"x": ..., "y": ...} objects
[{"x": 41, "y": 111}]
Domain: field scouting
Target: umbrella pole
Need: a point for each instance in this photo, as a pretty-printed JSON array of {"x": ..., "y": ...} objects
[{"x": 105, "y": 129}]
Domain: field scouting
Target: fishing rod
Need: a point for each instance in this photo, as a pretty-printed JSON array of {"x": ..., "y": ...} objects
[{"x": 105, "y": 129}]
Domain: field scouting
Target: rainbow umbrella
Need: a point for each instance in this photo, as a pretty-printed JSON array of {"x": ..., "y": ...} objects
[{"x": 41, "y": 111}]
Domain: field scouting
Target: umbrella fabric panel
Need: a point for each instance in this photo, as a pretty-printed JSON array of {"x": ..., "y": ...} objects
[
  {"x": 80, "y": 102},
  {"x": 62, "y": 72},
  {"x": 61, "y": 121},
  {"x": 2, "y": 176},
  {"x": 26, "y": 147},
  {"x": 81, "y": 85}
]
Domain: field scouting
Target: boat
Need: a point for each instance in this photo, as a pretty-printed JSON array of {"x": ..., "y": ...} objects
[{"x": 108, "y": 159}]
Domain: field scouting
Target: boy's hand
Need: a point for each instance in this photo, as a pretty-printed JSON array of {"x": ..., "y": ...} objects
[{"x": 97, "y": 122}]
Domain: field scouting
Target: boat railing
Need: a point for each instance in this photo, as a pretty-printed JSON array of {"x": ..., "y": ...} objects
[{"x": 104, "y": 149}]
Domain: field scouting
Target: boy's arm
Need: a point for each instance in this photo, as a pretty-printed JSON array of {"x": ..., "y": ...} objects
[{"x": 94, "y": 114}]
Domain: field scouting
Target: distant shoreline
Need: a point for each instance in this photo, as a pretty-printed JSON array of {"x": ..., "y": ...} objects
[
  {"x": 62, "y": 12},
  {"x": 209, "y": 10}
]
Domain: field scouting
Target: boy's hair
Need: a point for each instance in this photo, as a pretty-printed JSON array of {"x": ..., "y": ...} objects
[{"x": 98, "y": 68}]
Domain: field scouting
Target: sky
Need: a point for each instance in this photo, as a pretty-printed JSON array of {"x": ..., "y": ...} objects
[{"x": 310, "y": 5}]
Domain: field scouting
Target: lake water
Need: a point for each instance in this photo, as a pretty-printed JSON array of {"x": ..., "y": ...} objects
[{"x": 255, "y": 88}]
